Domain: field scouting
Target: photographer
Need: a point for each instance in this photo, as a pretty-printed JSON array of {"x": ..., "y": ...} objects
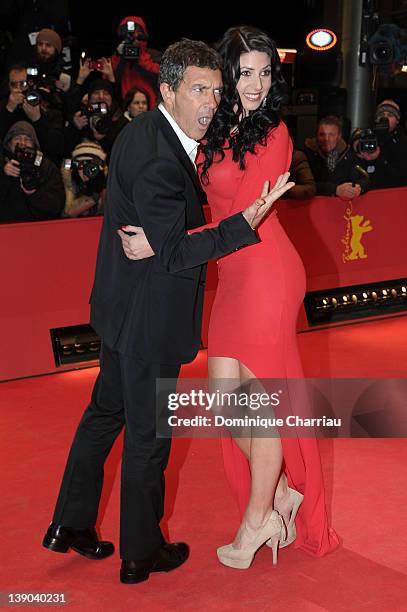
[
  {"x": 392, "y": 144},
  {"x": 132, "y": 64},
  {"x": 88, "y": 66},
  {"x": 365, "y": 145},
  {"x": 45, "y": 56},
  {"x": 100, "y": 120},
  {"x": 84, "y": 179},
  {"x": 333, "y": 164},
  {"x": 28, "y": 102},
  {"x": 31, "y": 187}
]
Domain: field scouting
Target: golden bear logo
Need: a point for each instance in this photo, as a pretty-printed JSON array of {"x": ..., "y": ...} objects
[{"x": 357, "y": 225}]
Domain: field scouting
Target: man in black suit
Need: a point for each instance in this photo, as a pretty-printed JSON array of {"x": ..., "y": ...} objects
[{"x": 148, "y": 313}]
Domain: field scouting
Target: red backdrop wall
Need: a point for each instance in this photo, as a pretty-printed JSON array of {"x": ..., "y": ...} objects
[{"x": 47, "y": 267}]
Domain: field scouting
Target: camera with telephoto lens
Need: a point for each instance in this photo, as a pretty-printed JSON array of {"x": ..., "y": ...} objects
[
  {"x": 130, "y": 34},
  {"x": 40, "y": 87},
  {"x": 30, "y": 161},
  {"x": 89, "y": 167}
]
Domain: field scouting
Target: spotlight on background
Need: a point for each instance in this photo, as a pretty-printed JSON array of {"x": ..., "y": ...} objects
[{"x": 321, "y": 39}]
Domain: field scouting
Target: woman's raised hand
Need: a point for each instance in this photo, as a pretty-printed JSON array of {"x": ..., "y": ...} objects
[{"x": 260, "y": 207}]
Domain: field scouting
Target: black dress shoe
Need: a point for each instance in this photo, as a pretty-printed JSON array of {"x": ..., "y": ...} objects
[
  {"x": 83, "y": 541},
  {"x": 165, "y": 559}
]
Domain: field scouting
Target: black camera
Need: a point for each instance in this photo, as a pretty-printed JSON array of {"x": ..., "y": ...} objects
[
  {"x": 99, "y": 116},
  {"x": 89, "y": 167},
  {"x": 368, "y": 141},
  {"x": 32, "y": 96},
  {"x": 371, "y": 138},
  {"x": 30, "y": 161},
  {"x": 130, "y": 52},
  {"x": 40, "y": 87}
]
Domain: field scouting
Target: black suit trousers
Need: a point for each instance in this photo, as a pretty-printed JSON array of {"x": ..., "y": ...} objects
[{"x": 124, "y": 396}]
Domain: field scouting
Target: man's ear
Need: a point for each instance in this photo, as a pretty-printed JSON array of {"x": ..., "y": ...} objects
[{"x": 167, "y": 94}]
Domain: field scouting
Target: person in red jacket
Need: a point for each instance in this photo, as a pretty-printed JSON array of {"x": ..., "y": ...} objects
[{"x": 131, "y": 71}]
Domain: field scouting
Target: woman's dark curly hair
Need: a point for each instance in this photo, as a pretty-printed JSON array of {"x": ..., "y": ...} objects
[{"x": 254, "y": 128}]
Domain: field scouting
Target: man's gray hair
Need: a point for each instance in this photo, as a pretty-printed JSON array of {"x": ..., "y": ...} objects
[{"x": 178, "y": 56}]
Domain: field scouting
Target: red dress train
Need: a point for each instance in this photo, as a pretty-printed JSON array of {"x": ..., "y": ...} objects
[{"x": 253, "y": 319}]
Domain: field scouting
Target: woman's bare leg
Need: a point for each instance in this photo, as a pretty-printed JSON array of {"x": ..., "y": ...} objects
[
  {"x": 266, "y": 459},
  {"x": 264, "y": 454},
  {"x": 227, "y": 371}
]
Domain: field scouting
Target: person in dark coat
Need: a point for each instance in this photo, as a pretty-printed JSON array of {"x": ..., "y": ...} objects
[
  {"x": 333, "y": 163},
  {"x": 392, "y": 162},
  {"x": 31, "y": 187},
  {"x": 97, "y": 127}
]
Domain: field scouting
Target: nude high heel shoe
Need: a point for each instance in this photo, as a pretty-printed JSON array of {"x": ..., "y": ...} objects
[
  {"x": 241, "y": 558},
  {"x": 295, "y": 501}
]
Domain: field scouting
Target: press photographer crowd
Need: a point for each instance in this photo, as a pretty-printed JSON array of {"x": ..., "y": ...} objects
[{"x": 59, "y": 121}]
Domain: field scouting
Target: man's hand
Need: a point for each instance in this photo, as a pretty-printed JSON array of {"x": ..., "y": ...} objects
[
  {"x": 12, "y": 168},
  {"x": 107, "y": 69},
  {"x": 135, "y": 247},
  {"x": 346, "y": 191},
  {"x": 84, "y": 71},
  {"x": 259, "y": 209},
  {"x": 79, "y": 120},
  {"x": 15, "y": 99},
  {"x": 33, "y": 112}
]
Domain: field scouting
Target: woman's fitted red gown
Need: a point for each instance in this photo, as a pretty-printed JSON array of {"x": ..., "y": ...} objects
[{"x": 253, "y": 319}]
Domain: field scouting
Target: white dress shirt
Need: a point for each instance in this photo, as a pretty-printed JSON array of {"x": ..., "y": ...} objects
[{"x": 189, "y": 144}]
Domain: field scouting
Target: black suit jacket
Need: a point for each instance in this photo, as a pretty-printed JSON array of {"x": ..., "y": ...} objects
[{"x": 152, "y": 308}]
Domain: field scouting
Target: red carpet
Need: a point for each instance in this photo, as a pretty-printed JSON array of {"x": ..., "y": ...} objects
[{"x": 365, "y": 482}]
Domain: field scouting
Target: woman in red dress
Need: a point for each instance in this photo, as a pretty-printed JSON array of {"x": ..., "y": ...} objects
[{"x": 252, "y": 330}]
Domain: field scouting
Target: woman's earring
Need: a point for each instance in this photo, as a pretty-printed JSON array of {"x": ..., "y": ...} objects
[{"x": 263, "y": 104}]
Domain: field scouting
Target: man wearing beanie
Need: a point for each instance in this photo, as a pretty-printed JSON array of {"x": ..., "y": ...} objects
[
  {"x": 393, "y": 145},
  {"x": 24, "y": 19},
  {"x": 390, "y": 110},
  {"x": 47, "y": 57},
  {"x": 31, "y": 187},
  {"x": 84, "y": 194},
  {"x": 49, "y": 44},
  {"x": 97, "y": 126}
]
